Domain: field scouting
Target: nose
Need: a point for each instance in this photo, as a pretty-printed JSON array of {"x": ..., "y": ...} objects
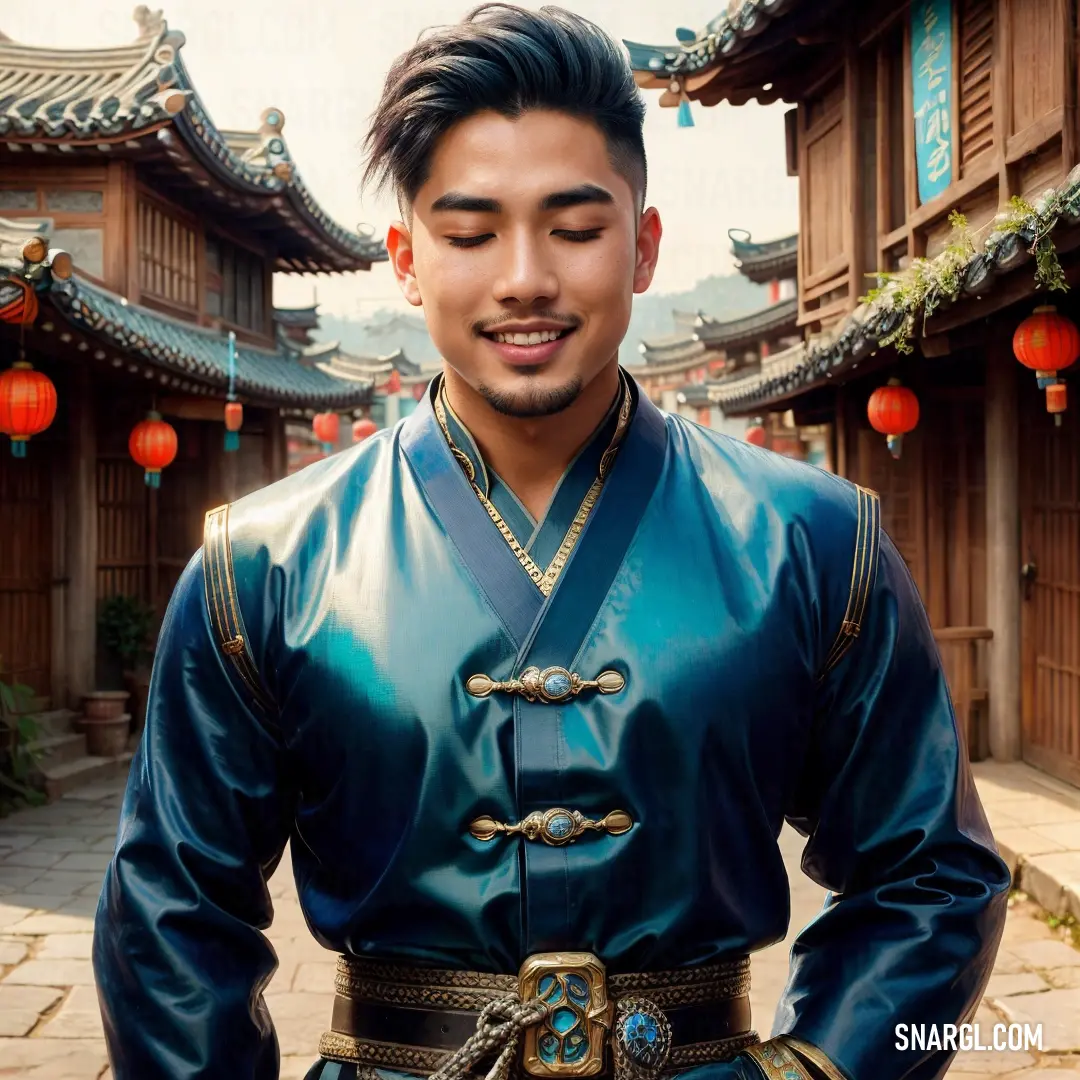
[{"x": 527, "y": 274}]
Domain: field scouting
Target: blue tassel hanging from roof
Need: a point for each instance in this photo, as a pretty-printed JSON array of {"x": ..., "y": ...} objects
[{"x": 686, "y": 118}]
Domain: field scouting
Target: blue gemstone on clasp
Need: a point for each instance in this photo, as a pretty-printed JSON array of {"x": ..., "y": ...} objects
[
  {"x": 640, "y": 1035},
  {"x": 560, "y": 825},
  {"x": 557, "y": 684}
]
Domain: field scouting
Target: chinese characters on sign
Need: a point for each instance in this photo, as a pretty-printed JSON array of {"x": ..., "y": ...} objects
[{"x": 931, "y": 80}]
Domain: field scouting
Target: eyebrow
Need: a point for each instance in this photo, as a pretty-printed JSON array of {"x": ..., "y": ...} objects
[{"x": 558, "y": 200}]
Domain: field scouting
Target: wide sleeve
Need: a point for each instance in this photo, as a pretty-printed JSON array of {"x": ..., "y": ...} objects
[
  {"x": 178, "y": 955},
  {"x": 898, "y": 836}
]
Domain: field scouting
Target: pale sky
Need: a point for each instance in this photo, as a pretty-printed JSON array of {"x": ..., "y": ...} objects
[{"x": 322, "y": 63}]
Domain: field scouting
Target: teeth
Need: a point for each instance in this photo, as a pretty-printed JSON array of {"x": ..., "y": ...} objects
[{"x": 537, "y": 337}]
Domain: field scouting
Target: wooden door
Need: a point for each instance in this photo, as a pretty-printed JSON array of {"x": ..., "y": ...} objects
[
  {"x": 1050, "y": 490},
  {"x": 26, "y": 566}
]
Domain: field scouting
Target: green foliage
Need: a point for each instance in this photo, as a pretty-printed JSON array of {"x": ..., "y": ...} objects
[
  {"x": 928, "y": 283},
  {"x": 18, "y": 731},
  {"x": 125, "y": 623}
]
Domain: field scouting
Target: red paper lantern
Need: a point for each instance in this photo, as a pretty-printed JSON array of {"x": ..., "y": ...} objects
[
  {"x": 234, "y": 421},
  {"x": 755, "y": 435},
  {"x": 393, "y": 384},
  {"x": 153, "y": 446},
  {"x": 1047, "y": 342},
  {"x": 27, "y": 404},
  {"x": 327, "y": 428},
  {"x": 363, "y": 429},
  {"x": 894, "y": 411},
  {"x": 18, "y": 302}
]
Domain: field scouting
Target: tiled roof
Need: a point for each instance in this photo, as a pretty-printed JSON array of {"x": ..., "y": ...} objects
[
  {"x": 671, "y": 349},
  {"x": 103, "y": 97},
  {"x": 804, "y": 367},
  {"x": 775, "y": 320},
  {"x": 774, "y": 260},
  {"x": 280, "y": 377},
  {"x": 306, "y": 318},
  {"x": 723, "y": 37}
]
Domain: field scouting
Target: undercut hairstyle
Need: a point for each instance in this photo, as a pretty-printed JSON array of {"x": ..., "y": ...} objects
[{"x": 507, "y": 60}]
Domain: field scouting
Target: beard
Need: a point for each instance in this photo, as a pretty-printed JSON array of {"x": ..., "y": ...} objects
[{"x": 532, "y": 401}]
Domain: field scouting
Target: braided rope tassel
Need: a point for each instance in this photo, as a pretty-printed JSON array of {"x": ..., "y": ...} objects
[{"x": 499, "y": 1025}]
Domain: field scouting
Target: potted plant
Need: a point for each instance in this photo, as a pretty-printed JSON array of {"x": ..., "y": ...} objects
[
  {"x": 18, "y": 731},
  {"x": 125, "y": 624}
]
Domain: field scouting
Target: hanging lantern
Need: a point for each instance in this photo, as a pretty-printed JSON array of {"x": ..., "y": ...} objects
[
  {"x": 755, "y": 435},
  {"x": 327, "y": 428},
  {"x": 153, "y": 446},
  {"x": 234, "y": 421},
  {"x": 234, "y": 411},
  {"x": 894, "y": 411},
  {"x": 363, "y": 429},
  {"x": 1047, "y": 342},
  {"x": 18, "y": 302},
  {"x": 27, "y": 404},
  {"x": 393, "y": 384}
]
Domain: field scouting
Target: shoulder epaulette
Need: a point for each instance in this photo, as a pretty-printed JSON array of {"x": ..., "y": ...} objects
[
  {"x": 863, "y": 572},
  {"x": 224, "y": 610}
]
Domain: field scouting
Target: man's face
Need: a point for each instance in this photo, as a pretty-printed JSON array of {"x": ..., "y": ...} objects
[{"x": 525, "y": 228}]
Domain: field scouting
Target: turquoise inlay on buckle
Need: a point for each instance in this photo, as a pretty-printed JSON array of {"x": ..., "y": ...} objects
[{"x": 569, "y": 1041}]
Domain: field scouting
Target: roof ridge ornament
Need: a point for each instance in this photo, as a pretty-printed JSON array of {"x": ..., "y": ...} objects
[{"x": 150, "y": 23}]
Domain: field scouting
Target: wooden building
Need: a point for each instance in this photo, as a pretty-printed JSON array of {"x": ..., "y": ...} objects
[
  {"x": 174, "y": 228},
  {"x": 936, "y": 145}
]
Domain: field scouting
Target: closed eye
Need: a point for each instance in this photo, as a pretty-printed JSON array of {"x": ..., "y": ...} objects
[
  {"x": 469, "y": 241},
  {"x": 578, "y": 237}
]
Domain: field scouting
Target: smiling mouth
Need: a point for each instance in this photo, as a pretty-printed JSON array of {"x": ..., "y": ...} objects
[{"x": 535, "y": 337}]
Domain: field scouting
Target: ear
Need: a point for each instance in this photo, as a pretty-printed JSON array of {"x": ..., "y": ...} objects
[
  {"x": 399, "y": 245},
  {"x": 648, "y": 248}
]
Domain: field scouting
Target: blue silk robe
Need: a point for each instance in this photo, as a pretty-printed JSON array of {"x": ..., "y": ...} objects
[{"x": 713, "y": 576}]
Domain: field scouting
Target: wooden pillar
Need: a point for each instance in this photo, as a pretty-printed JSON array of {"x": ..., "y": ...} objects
[
  {"x": 80, "y": 616},
  {"x": 1003, "y": 553},
  {"x": 275, "y": 454}
]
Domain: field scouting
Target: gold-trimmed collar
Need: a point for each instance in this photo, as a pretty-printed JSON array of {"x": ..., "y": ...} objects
[{"x": 543, "y": 579}]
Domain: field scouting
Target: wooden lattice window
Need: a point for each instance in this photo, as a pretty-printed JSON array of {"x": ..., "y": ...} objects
[
  {"x": 168, "y": 263},
  {"x": 976, "y": 79},
  {"x": 237, "y": 285}
]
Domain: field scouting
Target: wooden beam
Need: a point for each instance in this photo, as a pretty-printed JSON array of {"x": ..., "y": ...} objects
[
  {"x": 854, "y": 225},
  {"x": 1003, "y": 552},
  {"x": 1034, "y": 136},
  {"x": 80, "y": 621},
  {"x": 1003, "y": 78}
]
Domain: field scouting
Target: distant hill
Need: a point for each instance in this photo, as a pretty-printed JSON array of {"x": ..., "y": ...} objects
[{"x": 722, "y": 296}]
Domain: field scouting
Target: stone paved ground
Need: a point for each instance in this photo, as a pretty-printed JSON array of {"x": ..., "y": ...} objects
[{"x": 52, "y": 860}]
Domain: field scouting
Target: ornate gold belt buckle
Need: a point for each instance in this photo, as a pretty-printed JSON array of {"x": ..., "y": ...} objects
[{"x": 570, "y": 1040}]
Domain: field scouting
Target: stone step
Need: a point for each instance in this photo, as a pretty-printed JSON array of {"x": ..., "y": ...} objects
[
  {"x": 59, "y": 749},
  {"x": 54, "y": 722},
  {"x": 60, "y": 779}
]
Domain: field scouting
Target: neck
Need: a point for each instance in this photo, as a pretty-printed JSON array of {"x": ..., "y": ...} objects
[{"x": 532, "y": 453}]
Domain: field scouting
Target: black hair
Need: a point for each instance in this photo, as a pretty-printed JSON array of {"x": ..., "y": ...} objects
[{"x": 509, "y": 60}]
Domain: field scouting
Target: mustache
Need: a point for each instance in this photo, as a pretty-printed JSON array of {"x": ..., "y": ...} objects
[{"x": 487, "y": 326}]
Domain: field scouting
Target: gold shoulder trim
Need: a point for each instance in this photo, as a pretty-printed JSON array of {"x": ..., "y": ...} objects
[
  {"x": 863, "y": 570},
  {"x": 223, "y": 608},
  {"x": 813, "y": 1055}
]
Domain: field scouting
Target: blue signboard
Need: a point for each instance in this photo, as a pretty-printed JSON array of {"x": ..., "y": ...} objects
[{"x": 931, "y": 80}]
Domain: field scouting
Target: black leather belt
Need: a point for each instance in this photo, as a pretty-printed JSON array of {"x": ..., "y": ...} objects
[{"x": 414, "y": 1019}]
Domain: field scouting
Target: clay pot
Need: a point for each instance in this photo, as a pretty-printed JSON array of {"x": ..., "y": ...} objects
[
  {"x": 104, "y": 704},
  {"x": 106, "y": 738}
]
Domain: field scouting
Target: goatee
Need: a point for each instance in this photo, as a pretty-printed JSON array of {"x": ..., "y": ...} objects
[{"x": 532, "y": 402}]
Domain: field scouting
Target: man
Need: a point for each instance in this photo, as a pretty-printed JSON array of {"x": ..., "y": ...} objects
[{"x": 532, "y": 681}]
